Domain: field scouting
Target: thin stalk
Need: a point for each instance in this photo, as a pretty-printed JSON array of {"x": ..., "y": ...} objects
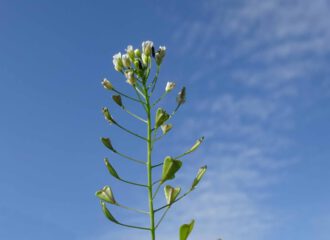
[
  {"x": 158, "y": 209},
  {"x": 157, "y": 165},
  {"x": 154, "y": 81},
  {"x": 132, "y": 209},
  {"x": 130, "y": 132},
  {"x": 130, "y": 158},
  {"x": 162, "y": 217},
  {"x": 134, "y": 115},
  {"x": 149, "y": 166},
  {"x": 132, "y": 183},
  {"x": 126, "y": 96},
  {"x": 131, "y": 226},
  {"x": 159, "y": 99},
  {"x": 157, "y": 190}
]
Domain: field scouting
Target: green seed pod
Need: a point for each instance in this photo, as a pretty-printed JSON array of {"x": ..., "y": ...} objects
[
  {"x": 196, "y": 145},
  {"x": 107, "y": 115},
  {"x": 161, "y": 117},
  {"x": 181, "y": 98},
  {"x": 111, "y": 169},
  {"x": 199, "y": 176},
  {"x": 107, "y": 143},
  {"x": 117, "y": 99},
  {"x": 171, "y": 193},
  {"x": 107, "y": 213},
  {"x": 106, "y": 195},
  {"x": 186, "y": 229},
  {"x": 170, "y": 167},
  {"x": 166, "y": 128}
]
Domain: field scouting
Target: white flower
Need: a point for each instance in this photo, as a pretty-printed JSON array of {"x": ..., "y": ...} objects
[
  {"x": 130, "y": 51},
  {"x": 169, "y": 86},
  {"x": 160, "y": 54},
  {"x": 126, "y": 61},
  {"x": 106, "y": 84},
  {"x": 146, "y": 47},
  {"x": 117, "y": 62}
]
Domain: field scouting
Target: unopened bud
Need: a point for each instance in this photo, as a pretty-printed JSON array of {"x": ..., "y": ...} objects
[
  {"x": 147, "y": 47},
  {"x": 117, "y": 62},
  {"x": 106, "y": 142},
  {"x": 130, "y": 51},
  {"x": 126, "y": 61},
  {"x": 160, "y": 54},
  {"x": 107, "y": 84},
  {"x": 169, "y": 86},
  {"x": 137, "y": 53},
  {"x": 199, "y": 176},
  {"x": 130, "y": 78},
  {"x": 145, "y": 59}
]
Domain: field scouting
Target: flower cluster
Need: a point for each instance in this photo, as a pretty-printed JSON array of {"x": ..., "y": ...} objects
[{"x": 135, "y": 62}]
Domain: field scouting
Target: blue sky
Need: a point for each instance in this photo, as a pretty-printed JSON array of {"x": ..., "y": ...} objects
[{"x": 258, "y": 88}]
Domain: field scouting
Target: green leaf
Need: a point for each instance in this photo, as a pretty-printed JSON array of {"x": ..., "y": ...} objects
[
  {"x": 199, "y": 176},
  {"x": 170, "y": 167},
  {"x": 161, "y": 117},
  {"x": 107, "y": 115},
  {"x": 186, "y": 229},
  {"x": 171, "y": 193},
  {"x": 106, "y": 195},
  {"x": 111, "y": 169},
  {"x": 107, "y": 143},
  {"x": 117, "y": 99},
  {"x": 107, "y": 213}
]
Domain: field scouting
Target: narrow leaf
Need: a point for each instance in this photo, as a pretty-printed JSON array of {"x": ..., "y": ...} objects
[
  {"x": 107, "y": 213},
  {"x": 199, "y": 176},
  {"x": 111, "y": 169},
  {"x": 186, "y": 229},
  {"x": 170, "y": 167}
]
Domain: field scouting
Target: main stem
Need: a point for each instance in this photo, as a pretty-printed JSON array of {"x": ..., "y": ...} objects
[{"x": 149, "y": 166}]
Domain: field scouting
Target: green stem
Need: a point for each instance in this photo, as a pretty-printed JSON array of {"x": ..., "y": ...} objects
[
  {"x": 124, "y": 95},
  {"x": 149, "y": 165},
  {"x": 132, "y": 209},
  {"x": 132, "y": 183},
  {"x": 167, "y": 205},
  {"x": 130, "y": 132},
  {"x": 131, "y": 226},
  {"x": 129, "y": 158},
  {"x": 162, "y": 217}
]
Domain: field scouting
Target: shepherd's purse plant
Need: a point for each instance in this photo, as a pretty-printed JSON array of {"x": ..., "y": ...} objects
[{"x": 136, "y": 65}]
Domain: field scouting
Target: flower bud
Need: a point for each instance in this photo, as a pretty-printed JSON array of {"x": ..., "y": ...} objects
[
  {"x": 199, "y": 176},
  {"x": 106, "y": 84},
  {"x": 107, "y": 115},
  {"x": 106, "y": 195},
  {"x": 161, "y": 117},
  {"x": 196, "y": 145},
  {"x": 130, "y": 51},
  {"x": 117, "y": 99},
  {"x": 171, "y": 193},
  {"x": 166, "y": 128},
  {"x": 126, "y": 61},
  {"x": 117, "y": 62},
  {"x": 137, "y": 53},
  {"x": 145, "y": 59},
  {"x": 130, "y": 77},
  {"x": 160, "y": 54},
  {"x": 147, "y": 47},
  {"x": 169, "y": 86},
  {"x": 138, "y": 64},
  {"x": 181, "y": 98}
]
